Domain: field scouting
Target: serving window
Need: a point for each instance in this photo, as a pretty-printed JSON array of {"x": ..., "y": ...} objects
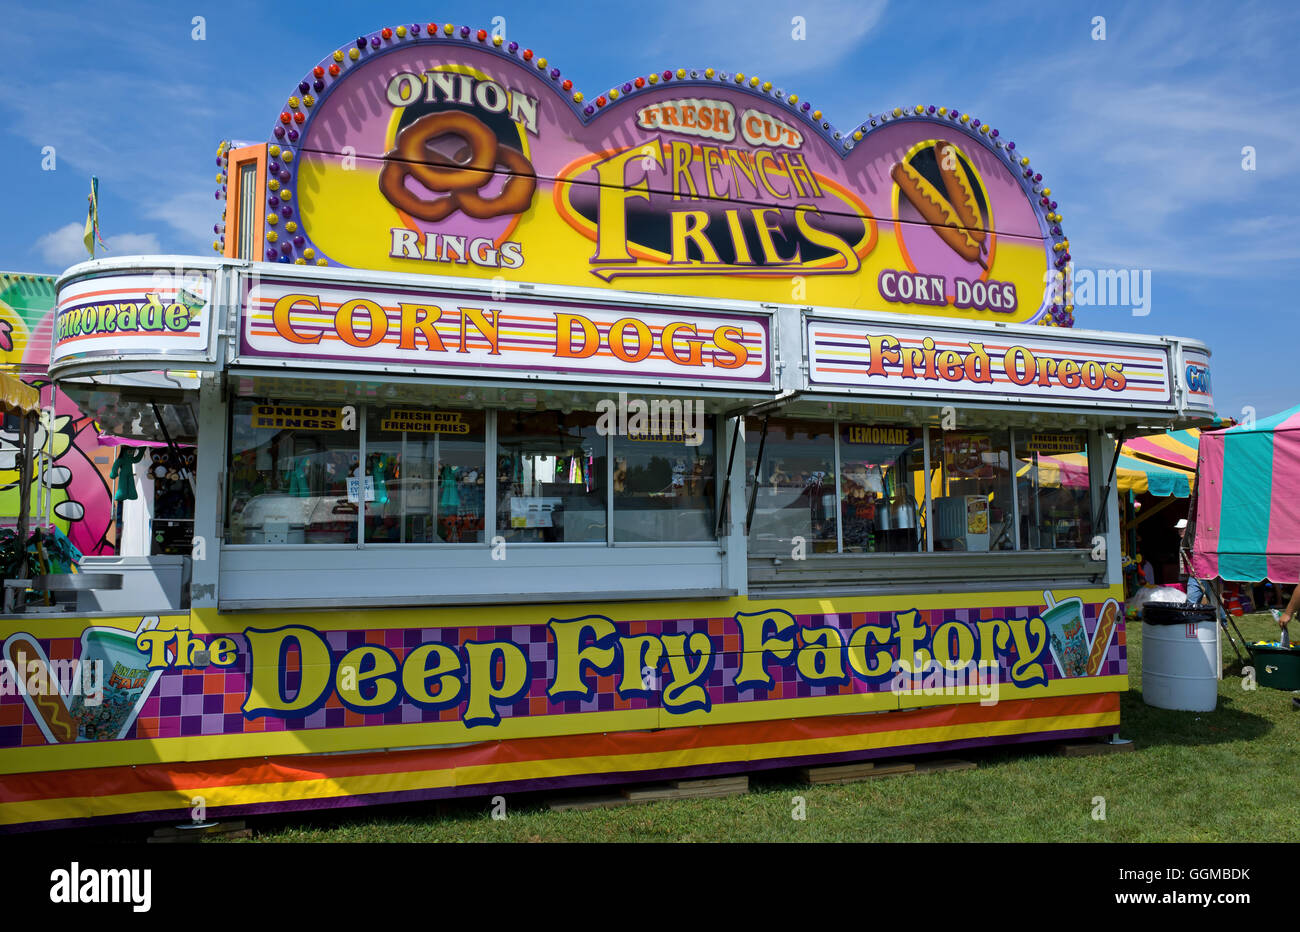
[
  {"x": 664, "y": 486},
  {"x": 309, "y": 474},
  {"x": 288, "y": 475},
  {"x": 847, "y": 488},
  {"x": 551, "y": 485},
  {"x": 425, "y": 476},
  {"x": 1055, "y": 496}
]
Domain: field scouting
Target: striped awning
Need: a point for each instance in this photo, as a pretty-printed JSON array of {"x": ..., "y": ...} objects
[
  {"x": 1176, "y": 448},
  {"x": 1248, "y": 508},
  {"x": 1131, "y": 475},
  {"x": 17, "y": 397}
]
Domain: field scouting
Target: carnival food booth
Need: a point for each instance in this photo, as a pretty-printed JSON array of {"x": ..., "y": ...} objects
[{"x": 546, "y": 440}]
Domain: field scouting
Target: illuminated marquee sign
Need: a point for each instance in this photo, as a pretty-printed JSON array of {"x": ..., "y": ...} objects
[
  {"x": 957, "y": 363},
  {"x": 434, "y": 331},
  {"x": 425, "y": 151},
  {"x": 133, "y": 314}
]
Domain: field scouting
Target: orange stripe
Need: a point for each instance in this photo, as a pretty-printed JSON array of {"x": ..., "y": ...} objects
[
  {"x": 1129, "y": 388},
  {"x": 110, "y": 781},
  {"x": 96, "y": 294},
  {"x": 995, "y": 346},
  {"x": 657, "y": 355}
]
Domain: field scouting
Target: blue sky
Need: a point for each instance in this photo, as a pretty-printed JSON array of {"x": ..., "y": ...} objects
[{"x": 1140, "y": 135}]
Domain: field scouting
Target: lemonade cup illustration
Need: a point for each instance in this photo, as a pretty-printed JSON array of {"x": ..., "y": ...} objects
[
  {"x": 1069, "y": 640},
  {"x": 127, "y": 682}
]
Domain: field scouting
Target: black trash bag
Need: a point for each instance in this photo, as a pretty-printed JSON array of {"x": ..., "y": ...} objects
[{"x": 1173, "y": 613}]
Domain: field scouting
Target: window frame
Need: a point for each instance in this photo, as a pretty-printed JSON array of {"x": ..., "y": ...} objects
[
  {"x": 930, "y": 445},
  {"x": 491, "y": 451}
]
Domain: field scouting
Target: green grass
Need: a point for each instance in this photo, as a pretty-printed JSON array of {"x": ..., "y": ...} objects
[{"x": 1227, "y": 775}]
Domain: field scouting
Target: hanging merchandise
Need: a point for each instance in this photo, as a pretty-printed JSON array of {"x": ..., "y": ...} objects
[
  {"x": 449, "y": 499},
  {"x": 381, "y": 487},
  {"x": 299, "y": 487},
  {"x": 124, "y": 472}
]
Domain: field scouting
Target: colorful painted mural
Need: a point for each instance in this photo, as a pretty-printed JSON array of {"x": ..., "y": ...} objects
[{"x": 81, "y": 500}]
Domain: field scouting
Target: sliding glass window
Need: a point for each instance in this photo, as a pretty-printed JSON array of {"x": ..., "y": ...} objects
[
  {"x": 425, "y": 475},
  {"x": 551, "y": 478},
  {"x": 972, "y": 495},
  {"x": 1055, "y": 494},
  {"x": 288, "y": 477},
  {"x": 664, "y": 486},
  {"x": 882, "y": 488},
  {"x": 795, "y": 495}
]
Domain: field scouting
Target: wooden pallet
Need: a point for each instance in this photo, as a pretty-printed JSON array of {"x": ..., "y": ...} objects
[
  {"x": 868, "y": 770},
  {"x": 715, "y": 788},
  {"x": 182, "y": 835},
  {"x": 1090, "y": 748}
]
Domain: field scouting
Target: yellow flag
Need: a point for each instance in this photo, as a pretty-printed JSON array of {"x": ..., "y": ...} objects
[{"x": 92, "y": 219}]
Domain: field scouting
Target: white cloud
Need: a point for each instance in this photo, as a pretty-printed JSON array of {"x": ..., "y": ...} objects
[
  {"x": 64, "y": 247},
  {"x": 190, "y": 213},
  {"x": 133, "y": 244}
]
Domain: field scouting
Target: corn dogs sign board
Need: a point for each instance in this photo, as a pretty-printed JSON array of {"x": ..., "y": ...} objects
[
  {"x": 440, "y": 153},
  {"x": 435, "y": 331}
]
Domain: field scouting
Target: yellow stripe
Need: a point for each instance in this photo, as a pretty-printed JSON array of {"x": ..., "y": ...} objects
[
  {"x": 81, "y": 807},
  {"x": 209, "y": 621},
  {"x": 391, "y": 737}
]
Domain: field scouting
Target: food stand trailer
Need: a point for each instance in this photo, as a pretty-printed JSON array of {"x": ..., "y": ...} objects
[{"x": 545, "y": 441}]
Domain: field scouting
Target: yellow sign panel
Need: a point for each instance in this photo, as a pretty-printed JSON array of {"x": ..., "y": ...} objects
[
  {"x": 296, "y": 417},
  {"x": 420, "y": 421},
  {"x": 1054, "y": 442}
]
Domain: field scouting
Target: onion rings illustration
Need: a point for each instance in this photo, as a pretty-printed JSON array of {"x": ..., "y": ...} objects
[{"x": 460, "y": 183}]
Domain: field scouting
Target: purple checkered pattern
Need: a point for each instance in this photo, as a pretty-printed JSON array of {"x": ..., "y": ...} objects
[{"x": 209, "y": 701}]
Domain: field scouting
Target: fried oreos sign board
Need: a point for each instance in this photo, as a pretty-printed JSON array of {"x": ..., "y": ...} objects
[
  {"x": 433, "y": 149},
  {"x": 1004, "y": 364}
]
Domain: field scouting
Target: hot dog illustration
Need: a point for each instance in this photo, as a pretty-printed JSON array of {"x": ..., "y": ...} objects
[
  {"x": 961, "y": 193},
  {"x": 29, "y": 665},
  {"x": 1102, "y": 636},
  {"x": 936, "y": 211}
]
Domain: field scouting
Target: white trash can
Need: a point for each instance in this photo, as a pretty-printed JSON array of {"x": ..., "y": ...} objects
[{"x": 1180, "y": 658}]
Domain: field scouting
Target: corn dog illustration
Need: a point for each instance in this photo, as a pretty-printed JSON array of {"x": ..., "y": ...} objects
[
  {"x": 47, "y": 704},
  {"x": 935, "y": 210},
  {"x": 961, "y": 194},
  {"x": 1102, "y": 636}
]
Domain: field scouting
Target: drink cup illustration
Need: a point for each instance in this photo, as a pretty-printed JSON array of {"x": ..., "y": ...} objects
[
  {"x": 128, "y": 682},
  {"x": 1069, "y": 640}
]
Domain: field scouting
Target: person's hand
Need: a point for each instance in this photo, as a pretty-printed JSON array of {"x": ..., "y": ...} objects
[{"x": 1284, "y": 619}]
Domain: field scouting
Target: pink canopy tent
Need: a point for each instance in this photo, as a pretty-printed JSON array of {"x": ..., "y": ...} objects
[{"x": 1248, "y": 509}]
